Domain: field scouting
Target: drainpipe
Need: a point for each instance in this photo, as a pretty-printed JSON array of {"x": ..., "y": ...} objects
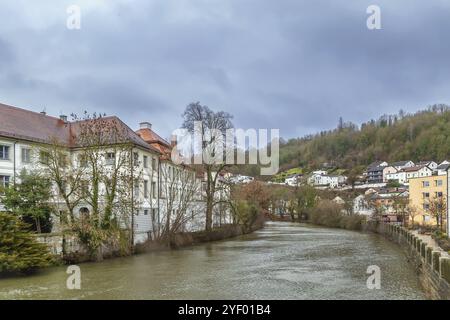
[
  {"x": 132, "y": 199},
  {"x": 158, "y": 164},
  {"x": 14, "y": 162}
]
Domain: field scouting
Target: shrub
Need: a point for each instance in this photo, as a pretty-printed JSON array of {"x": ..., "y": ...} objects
[
  {"x": 330, "y": 214},
  {"x": 19, "y": 250}
]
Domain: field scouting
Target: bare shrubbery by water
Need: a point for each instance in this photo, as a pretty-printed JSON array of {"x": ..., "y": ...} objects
[{"x": 330, "y": 214}]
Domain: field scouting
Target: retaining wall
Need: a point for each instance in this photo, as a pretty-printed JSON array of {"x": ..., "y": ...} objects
[{"x": 432, "y": 267}]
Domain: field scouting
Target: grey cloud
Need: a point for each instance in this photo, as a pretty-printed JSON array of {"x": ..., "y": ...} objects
[{"x": 293, "y": 65}]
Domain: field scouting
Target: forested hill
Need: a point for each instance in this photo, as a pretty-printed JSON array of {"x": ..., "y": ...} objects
[{"x": 424, "y": 135}]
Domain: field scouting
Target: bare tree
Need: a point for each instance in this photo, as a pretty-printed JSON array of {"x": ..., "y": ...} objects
[
  {"x": 438, "y": 210},
  {"x": 101, "y": 173},
  {"x": 211, "y": 145},
  {"x": 413, "y": 212},
  {"x": 179, "y": 190}
]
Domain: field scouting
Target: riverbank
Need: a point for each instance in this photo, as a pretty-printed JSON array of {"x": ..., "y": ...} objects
[{"x": 186, "y": 239}]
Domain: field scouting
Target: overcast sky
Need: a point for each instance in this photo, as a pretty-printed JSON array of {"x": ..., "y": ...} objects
[{"x": 288, "y": 64}]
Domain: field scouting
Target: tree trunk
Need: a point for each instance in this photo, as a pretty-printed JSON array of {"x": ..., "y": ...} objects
[
  {"x": 38, "y": 225},
  {"x": 209, "y": 211}
]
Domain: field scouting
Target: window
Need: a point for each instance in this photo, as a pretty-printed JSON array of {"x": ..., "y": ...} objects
[
  {"x": 438, "y": 183},
  {"x": 26, "y": 155},
  {"x": 62, "y": 160},
  {"x": 4, "y": 181},
  {"x": 44, "y": 157},
  {"x": 425, "y": 184},
  {"x": 145, "y": 189},
  {"x": 438, "y": 194},
  {"x": 426, "y": 206},
  {"x": 135, "y": 159},
  {"x": 110, "y": 158},
  {"x": 145, "y": 162},
  {"x": 145, "y": 212},
  {"x": 82, "y": 160},
  {"x": 4, "y": 152},
  {"x": 136, "y": 189},
  {"x": 153, "y": 189},
  {"x": 153, "y": 163},
  {"x": 425, "y": 194}
]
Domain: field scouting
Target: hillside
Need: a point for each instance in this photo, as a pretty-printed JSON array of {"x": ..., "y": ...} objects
[{"x": 424, "y": 135}]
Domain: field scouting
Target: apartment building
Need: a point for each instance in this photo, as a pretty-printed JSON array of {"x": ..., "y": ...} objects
[{"x": 426, "y": 192}]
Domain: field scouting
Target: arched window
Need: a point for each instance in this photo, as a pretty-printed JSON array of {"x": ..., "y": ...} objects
[{"x": 84, "y": 213}]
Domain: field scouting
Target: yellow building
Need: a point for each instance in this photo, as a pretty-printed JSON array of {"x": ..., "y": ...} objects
[{"x": 425, "y": 195}]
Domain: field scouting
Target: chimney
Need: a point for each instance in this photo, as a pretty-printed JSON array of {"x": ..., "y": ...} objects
[
  {"x": 145, "y": 125},
  {"x": 173, "y": 141},
  {"x": 43, "y": 112},
  {"x": 63, "y": 118}
]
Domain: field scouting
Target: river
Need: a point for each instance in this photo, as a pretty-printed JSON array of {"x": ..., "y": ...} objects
[{"x": 281, "y": 261}]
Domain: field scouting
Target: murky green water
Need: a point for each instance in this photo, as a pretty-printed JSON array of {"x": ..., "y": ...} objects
[{"x": 282, "y": 261}]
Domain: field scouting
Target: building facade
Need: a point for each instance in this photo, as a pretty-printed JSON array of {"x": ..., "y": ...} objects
[
  {"x": 425, "y": 196},
  {"x": 28, "y": 138}
]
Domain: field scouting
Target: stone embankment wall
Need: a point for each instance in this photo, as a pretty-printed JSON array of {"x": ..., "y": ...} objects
[{"x": 431, "y": 263}]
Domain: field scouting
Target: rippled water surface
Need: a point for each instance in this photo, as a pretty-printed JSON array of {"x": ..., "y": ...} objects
[{"x": 281, "y": 261}]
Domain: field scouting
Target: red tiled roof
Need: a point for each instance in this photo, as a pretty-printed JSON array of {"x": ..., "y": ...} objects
[
  {"x": 23, "y": 124},
  {"x": 27, "y": 125},
  {"x": 152, "y": 138}
]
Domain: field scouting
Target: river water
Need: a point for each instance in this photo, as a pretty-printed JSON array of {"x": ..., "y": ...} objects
[{"x": 281, "y": 261}]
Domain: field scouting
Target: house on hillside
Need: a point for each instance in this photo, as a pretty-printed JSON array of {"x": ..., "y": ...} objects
[
  {"x": 442, "y": 169},
  {"x": 385, "y": 201},
  {"x": 322, "y": 179},
  {"x": 293, "y": 180},
  {"x": 430, "y": 164},
  {"x": 403, "y": 164},
  {"x": 403, "y": 175},
  {"x": 389, "y": 170},
  {"x": 374, "y": 172}
]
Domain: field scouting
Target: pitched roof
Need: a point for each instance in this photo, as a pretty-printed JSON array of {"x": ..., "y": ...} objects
[
  {"x": 443, "y": 166},
  {"x": 18, "y": 123},
  {"x": 375, "y": 164},
  {"x": 400, "y": 163},
  {"x": 415, "y": 168},
  {"x": 32, "y": 126},
  {"x": 152, "y": 138}
]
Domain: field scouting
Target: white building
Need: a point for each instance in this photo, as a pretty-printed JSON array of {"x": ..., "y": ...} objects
[
  {"x": 403, "y": 175},
  {"x": 293, "y": 181},
  {"x": 25, "y": 136},
  {"x": 321, "y": 179}
]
